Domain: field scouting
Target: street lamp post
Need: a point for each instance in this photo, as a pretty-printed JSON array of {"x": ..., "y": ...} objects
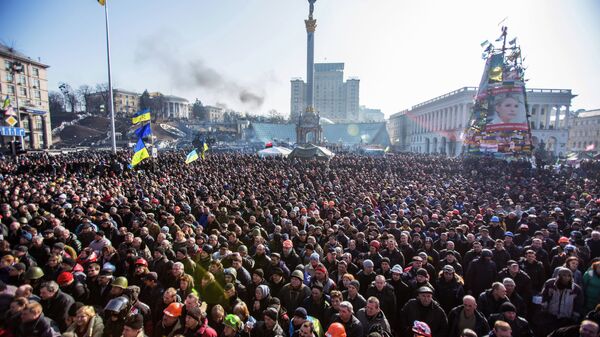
[{"x": 17, "y": 68}]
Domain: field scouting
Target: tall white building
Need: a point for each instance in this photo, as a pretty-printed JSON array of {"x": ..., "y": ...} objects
[
  {"x": 334, "y": 99},
  {"x": 437, "y": 125}
]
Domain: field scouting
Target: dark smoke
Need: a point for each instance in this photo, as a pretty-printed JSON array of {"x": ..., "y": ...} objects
[{"x": 188, "y": 73}]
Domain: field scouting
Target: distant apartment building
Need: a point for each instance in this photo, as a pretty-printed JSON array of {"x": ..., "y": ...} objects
[
  {"x": 25, "y": 82},
  {"x": 214, "y": 114},
  {"x": 335, "y": 99},
  {"x": 126, "y": 102},
  {"x": 584, "y": 133}
]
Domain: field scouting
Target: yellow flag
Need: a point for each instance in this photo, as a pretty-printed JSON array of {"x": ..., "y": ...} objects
[{"x": 101, "y": 2}]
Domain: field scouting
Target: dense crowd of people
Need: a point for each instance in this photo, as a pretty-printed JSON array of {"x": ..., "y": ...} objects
[{"x": 234, "y": 245}]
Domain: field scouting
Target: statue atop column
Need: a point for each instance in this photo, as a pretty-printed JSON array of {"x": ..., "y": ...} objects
[{"x": 311, "y": 9}]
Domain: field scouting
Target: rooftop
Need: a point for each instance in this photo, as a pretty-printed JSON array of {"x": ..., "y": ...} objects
[
  {"x": 15, "y": 54},
  {"x": 589, "y": 113}
]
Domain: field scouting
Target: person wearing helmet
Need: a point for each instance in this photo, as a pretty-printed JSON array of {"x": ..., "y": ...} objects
[
  {"x": 141, "y": 269},
  {"x": 34, "y": 277},
  {"x": 170, "y": 324},
  {"x": 233, "y": 326},
  {"x": 481, "y": 273},
  {"x": 115, "y": 313},
  {"x": 336, "y": 330},
  {"x": 118, "y": 286}
]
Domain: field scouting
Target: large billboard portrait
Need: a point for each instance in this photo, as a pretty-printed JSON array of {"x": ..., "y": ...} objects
[{"x": 507, "y": 109}]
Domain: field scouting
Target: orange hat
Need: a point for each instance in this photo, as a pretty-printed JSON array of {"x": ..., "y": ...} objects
[
  {"x": 336, "y": 330},
  {"x": 563, "y": 239},
  {"x": 64, "y": 278},
  {"x": 173, "y": 310},
  {"x": 288, "y": 244}
]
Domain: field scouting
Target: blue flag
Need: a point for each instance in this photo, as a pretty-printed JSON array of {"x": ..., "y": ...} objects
[
  {"x": 143, "y": 131},
  {"x": 139, "y": 152}
]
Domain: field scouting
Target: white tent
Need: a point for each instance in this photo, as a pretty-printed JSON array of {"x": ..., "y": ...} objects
[{"x": 275, "y": 151}]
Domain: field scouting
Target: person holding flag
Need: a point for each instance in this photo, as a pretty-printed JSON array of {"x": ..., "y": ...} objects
[{"x": 140, "y": 152}]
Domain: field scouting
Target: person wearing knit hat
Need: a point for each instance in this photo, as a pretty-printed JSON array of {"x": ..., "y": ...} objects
[
  {"x": 269, "y": 326},
  {"x": 133, "y": 326},
  {"x": 508, "y": 313},
  {"x": 196, "y": 324}
]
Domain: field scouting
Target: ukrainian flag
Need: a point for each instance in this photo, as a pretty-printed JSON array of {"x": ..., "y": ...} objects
[
  {"x": 204, "y": 149},
  {"x": 143, "y": 131},
  {"x": 192, "y": 156},
  {"x": 139, "y": 152},
  {"x": 141, "y": 116}
]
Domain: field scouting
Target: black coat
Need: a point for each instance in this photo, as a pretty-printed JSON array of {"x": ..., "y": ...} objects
[
  {"x": 433, "y": 315},
  {"x": 39, "y": 328},
  {"x": 488, "y": 305},
  {"x": 520, "y": 327},
  {"x": 56, "y": 308},
  {"x": 353, "y": 328},
  {"x": 480, "y": 275},
  {"x": 386, "y": 297},
  {"x": 449, "y": 294},
  {"x": 481, "y": 324}
]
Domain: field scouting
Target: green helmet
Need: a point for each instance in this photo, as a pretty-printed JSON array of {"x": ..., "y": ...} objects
[
  {"x": 120, "y": 282},
  {"x": 233, "y": 321},
  {"x": 33, "y": 273}
]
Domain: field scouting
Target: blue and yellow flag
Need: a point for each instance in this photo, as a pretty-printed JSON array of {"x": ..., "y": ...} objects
[
  {"x": 141, "y": 116},
  {"x": 143, "y": 131},
  {"x": 204, "y": 148},
  {"x": 192, "y": 156},
  {"x": 139, "y": 152}
]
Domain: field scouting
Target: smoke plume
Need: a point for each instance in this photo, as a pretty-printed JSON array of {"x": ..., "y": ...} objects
[{"x": 187, "y": 73}]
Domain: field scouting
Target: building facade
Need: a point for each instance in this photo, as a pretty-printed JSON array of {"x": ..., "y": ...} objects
[
  {"x": 335, "y": 99},
  {"x": 176, "y": 107},
  {"x": 25, "y": 82},
  {"x": 170, "y": 107},
  {"x": 126, "y": 102},
  {"x": 584, "y": 134},
  {"x": 370, "y": 115},
  {"x": 214, "y": 114},
  {"x": 437, "y": 125}
]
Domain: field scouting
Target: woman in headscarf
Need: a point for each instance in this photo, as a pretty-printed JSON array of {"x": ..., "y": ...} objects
[{"x": 262, "y": 296}]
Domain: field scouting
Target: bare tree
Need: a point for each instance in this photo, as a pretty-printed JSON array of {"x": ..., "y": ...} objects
[
  {"x": 84, "y": 92},
  {"x": 70, "y": 97},
  {"x": 56, "y": 103},
  {"x": 102, "y": 98}
]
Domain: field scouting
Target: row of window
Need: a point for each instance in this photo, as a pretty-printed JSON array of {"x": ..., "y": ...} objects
[
  {"x": 35, "y": 72},
  {"x": 583, "y": 145},
  {"x": 23, "y": 92},
  {"x": 587, "y": 122}
]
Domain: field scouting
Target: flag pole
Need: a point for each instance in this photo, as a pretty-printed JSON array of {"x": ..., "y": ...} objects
[{"x": 110, "y": 89}]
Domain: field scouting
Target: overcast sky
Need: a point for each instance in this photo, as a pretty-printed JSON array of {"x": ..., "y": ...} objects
[{"x": 243, "y": 53}]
